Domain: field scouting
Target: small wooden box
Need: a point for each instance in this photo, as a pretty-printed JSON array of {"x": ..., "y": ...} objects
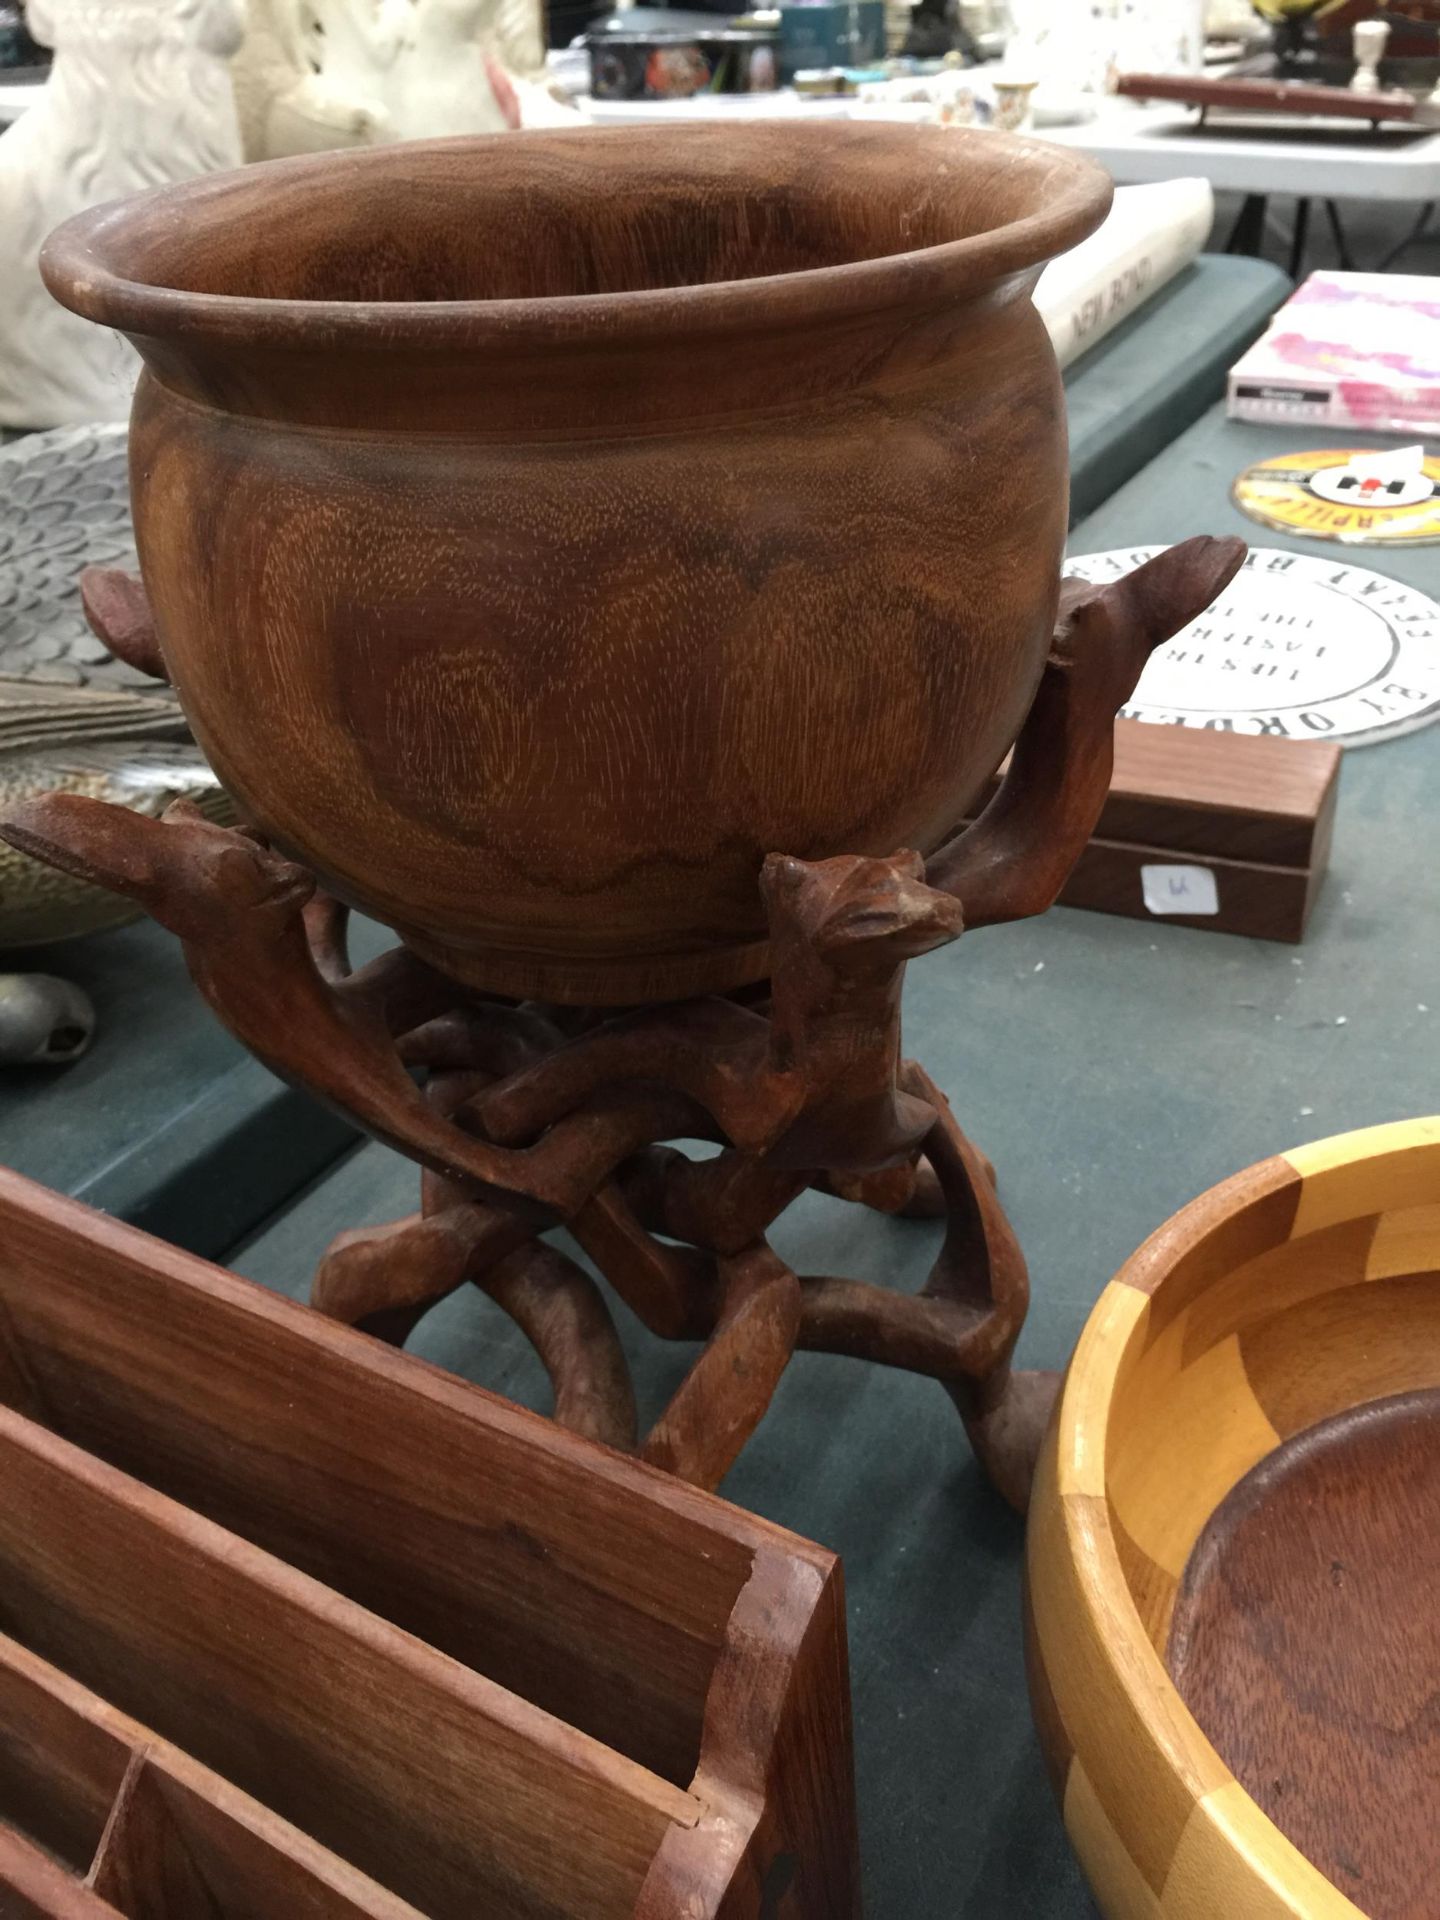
[
  {"x": 294, "y": 1627},
  {"x": 1254, "y": 813}
]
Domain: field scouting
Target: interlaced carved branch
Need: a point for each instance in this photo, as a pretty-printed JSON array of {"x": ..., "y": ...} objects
[{"x": 532, "y": 1116}]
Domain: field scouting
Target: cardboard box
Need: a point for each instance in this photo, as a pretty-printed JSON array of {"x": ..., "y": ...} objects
[{"x": 1355, "y": 350}]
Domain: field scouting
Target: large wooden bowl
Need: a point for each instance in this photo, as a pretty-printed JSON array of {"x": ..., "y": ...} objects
[
  {"x": 543, "y": 529},
  {"x": 1234, "y": 1551}
]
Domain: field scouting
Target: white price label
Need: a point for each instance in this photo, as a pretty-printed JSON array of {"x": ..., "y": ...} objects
[{"x": 1179, "y": 889}]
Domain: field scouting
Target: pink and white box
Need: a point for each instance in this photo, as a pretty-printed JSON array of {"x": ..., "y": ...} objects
[{"x": 1347, "y": 350}]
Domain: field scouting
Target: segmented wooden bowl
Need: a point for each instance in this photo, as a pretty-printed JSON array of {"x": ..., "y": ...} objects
[{"x": 1234, "y": 1550}]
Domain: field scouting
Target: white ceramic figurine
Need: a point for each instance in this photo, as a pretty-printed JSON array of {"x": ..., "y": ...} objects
[
  {"x": 139, "y": 94},
  {"x": 317, "y": 74}
]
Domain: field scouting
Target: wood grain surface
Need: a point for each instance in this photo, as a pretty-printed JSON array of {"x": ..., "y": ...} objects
[
  {"x": 1271, "y": 96},
  {"x": 35, "y": 1887},
  {"x": 143, "y": 1823},
  {"x": 1256, "y": 813},
  {"x": 573, "y": 1609},
  {"x": 542, "y": 531},
  {"x": 1306, "y": 1642},
  {"x": 173, "y": 1696},
  {"x": 1239, "y": 796}
]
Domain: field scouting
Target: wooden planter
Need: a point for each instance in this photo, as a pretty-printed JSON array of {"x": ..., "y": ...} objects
[
  {"x": 1234, "y": 1550},
  {"x": 295, "y": 1626}
]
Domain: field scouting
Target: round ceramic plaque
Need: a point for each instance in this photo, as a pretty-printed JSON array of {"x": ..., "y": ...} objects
[
  {"x": 1298, "y": 646},
  {"x": 1364, "y": 499}
]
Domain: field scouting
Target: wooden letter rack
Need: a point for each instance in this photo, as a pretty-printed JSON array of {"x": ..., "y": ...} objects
[{"x": 294, "y": 1627}]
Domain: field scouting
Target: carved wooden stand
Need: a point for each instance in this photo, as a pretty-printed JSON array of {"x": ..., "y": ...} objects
[{"x": 532, "y": 1116}]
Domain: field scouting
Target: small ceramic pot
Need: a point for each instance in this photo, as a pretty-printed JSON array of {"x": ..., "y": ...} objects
[{"x": 1014, "y": 105}]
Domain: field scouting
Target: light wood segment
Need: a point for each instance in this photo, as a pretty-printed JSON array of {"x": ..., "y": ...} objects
[
  {"x": 35, "y": 1887},
  {"x": 1179, "y": 1440},
  {"x": 1121, "y": 1888},
  {"x": 1232, "y": 1861},
  {"x": 1143, "y": 1755},
  {"x": 1404, "y": 1241},
  {"x": 1117, "y": 1325},
  {"x": 432, "y": 1788},
  {"x": 1374, "y": 1170}
]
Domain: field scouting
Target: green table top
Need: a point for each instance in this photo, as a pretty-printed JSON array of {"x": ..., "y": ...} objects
[
  {"x": 1150, "y": 379},
  {"x": 167, "y": 1121},
  {"x": 1113, "y": 1069}
]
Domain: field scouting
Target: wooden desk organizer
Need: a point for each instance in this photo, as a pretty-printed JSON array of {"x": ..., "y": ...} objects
[{"x": 294, "y": 1627}]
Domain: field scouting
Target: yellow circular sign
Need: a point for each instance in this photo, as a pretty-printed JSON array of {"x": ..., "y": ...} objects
[{"x": 1387, "y": 497}]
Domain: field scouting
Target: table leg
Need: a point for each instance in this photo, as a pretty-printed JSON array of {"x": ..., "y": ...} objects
[
  {"x": 1343, "y": 255},
  {"x": 1298, "y": 238},
  {"x": 1417, "y": 232},
  {"x": 1248, "y": 233}
]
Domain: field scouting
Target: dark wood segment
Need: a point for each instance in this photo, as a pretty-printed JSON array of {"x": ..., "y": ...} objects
[
  {"x": 1366, "y": 1341},
  {"x": 1055, "y": 1742},
  {"x": 1306, "y": 1642},
  {"x": 1220, "y": 1230}
]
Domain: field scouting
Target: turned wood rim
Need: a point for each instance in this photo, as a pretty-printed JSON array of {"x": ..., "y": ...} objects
[
  {"x": 1286, "y": 1198},
  {"x": 84, "y": 261}
]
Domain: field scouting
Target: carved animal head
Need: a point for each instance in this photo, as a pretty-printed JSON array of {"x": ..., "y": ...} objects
[
  {"x": 189, "y": 874},
  {"x": 862, "y": 915}
]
